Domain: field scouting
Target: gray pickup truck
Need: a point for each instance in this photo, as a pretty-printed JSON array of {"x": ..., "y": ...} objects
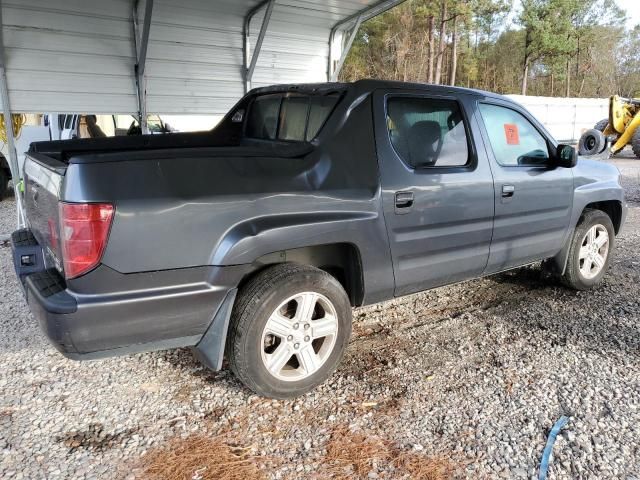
[{"x": 255, "y": 240}]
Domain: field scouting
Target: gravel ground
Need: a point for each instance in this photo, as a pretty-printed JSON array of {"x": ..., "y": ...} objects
[{"x": 477, "y": 371}]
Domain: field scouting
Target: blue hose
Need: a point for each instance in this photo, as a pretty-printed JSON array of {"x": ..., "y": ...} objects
[{"x": 544, "y": 464}]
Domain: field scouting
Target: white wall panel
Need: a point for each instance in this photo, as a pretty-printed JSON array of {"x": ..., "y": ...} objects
[{"x": 565, "y": 118}]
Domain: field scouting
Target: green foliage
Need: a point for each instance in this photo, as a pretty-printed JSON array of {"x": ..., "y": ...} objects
[
  {"x": 547, "y": 25},
  {"x": 556, "y": 47}
]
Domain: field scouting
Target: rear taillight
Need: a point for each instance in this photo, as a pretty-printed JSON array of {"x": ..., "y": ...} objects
[{"x": 84, "y": 229}]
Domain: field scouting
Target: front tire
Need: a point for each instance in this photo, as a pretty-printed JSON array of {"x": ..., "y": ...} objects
[
  {"x": 590, "y": 251},
  {"x": 635, "y": 142},
  {"x": 289, "y": 329}
]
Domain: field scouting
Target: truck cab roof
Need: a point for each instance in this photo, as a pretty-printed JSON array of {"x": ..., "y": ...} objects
[{"x": 370, "y": 85}]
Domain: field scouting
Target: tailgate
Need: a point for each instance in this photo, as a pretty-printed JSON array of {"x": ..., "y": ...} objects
[{"x": 43, "y": 178}]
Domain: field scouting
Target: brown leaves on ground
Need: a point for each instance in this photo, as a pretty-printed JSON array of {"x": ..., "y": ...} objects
[
  {"x": 200, "y": 458},
  {"x": 349, "y": 456},
  {"x": 353, "y": 455}
]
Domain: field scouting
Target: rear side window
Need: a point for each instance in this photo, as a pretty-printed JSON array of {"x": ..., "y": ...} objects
[
  {"x": 427, "y": 132},
  {"x": 295, "y": 118},
  {"x": 320, "y": 107},
  {"x": 514, "y": 140},
  {"x": 263, "y": 120}
]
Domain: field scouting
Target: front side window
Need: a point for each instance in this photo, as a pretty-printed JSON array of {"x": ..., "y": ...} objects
[
  {"x": 514, "y": 140},
  {"x": 287, "y": 117},
  {"x": 427, "y": 132}
]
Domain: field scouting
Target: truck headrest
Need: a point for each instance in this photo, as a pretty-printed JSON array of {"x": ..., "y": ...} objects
[{"x": 425, "y": 143}]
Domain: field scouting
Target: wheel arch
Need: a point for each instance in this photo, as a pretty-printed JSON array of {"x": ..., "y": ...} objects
[
  {"x": 342, "y": 260},
  {"x": 613, "y": 208}
]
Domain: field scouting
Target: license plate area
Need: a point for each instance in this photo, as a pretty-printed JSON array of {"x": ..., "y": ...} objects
[{"x": 28, "y": 257}]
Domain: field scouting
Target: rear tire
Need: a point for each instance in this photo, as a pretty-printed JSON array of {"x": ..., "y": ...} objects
[
  {"x": 289, "y": 329},
  {"x": 590, "y": 252},
  {"x": 601, "y": 125},
  {"x": 635, "y": 142},
  {"x": 592, "y": 142}
]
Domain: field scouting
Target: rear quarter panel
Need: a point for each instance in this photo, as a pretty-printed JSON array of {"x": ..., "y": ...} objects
[{"x": 193, "y": 207}]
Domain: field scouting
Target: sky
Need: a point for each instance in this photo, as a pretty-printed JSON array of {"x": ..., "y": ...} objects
[{"x": 633, "y": 11}]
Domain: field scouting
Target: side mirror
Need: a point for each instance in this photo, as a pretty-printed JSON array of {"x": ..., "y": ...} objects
[{"x": 565, "y": 156}]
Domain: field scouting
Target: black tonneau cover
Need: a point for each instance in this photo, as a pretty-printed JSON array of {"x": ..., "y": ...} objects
[
  {"x": 64, "y": 149},
  {"x": 81, "y": 151}
]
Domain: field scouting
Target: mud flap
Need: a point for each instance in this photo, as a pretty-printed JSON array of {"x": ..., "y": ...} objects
[{"x": 210, "y": 349}]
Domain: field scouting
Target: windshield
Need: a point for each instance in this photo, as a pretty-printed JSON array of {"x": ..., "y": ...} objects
[{"x": 296, "y": 118}]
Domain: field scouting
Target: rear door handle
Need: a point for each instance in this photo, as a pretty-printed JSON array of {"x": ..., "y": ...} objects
[
  {"x": 508, "y": 191},
  {"x": 404, "y": 202}
]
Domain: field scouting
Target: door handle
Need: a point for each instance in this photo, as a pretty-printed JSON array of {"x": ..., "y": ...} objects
[
  {"x": 404, "y": 201},
  {"x": 508, "y": 191}
]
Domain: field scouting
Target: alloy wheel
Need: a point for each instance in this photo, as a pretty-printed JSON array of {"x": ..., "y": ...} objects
[
  {"x": 593, "y": 251},
  {"x": 299, "y": 336}
]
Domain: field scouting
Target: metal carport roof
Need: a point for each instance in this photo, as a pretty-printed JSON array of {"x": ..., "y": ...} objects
[{"x": 79, "y": 56}]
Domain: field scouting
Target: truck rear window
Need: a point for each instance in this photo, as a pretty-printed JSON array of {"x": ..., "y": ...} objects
[{"x": 296, "y": 118}]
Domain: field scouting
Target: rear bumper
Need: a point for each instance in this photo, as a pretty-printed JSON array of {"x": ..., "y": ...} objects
[{"x": 106, "y": 313}]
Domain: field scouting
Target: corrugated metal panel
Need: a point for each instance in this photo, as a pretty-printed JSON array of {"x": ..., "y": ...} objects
[
  {"x": 194, "y": 63},
  {"x": 195, "y": 59},
  {"x": 78, "y": 55},
  {"x": 296, "y": 47},
  {"x": 69, "y": 55}
]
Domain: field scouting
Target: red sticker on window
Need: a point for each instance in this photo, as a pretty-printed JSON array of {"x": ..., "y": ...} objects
[{"x": 511, "y": 132}]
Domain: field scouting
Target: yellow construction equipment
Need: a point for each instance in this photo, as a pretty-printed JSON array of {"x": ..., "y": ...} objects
[
  {"x": 18, "y": 120},
  {"x": 622, "y": 125}
]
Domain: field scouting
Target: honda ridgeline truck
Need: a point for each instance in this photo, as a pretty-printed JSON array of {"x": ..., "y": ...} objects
[{"x": 254, "y": 240}]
